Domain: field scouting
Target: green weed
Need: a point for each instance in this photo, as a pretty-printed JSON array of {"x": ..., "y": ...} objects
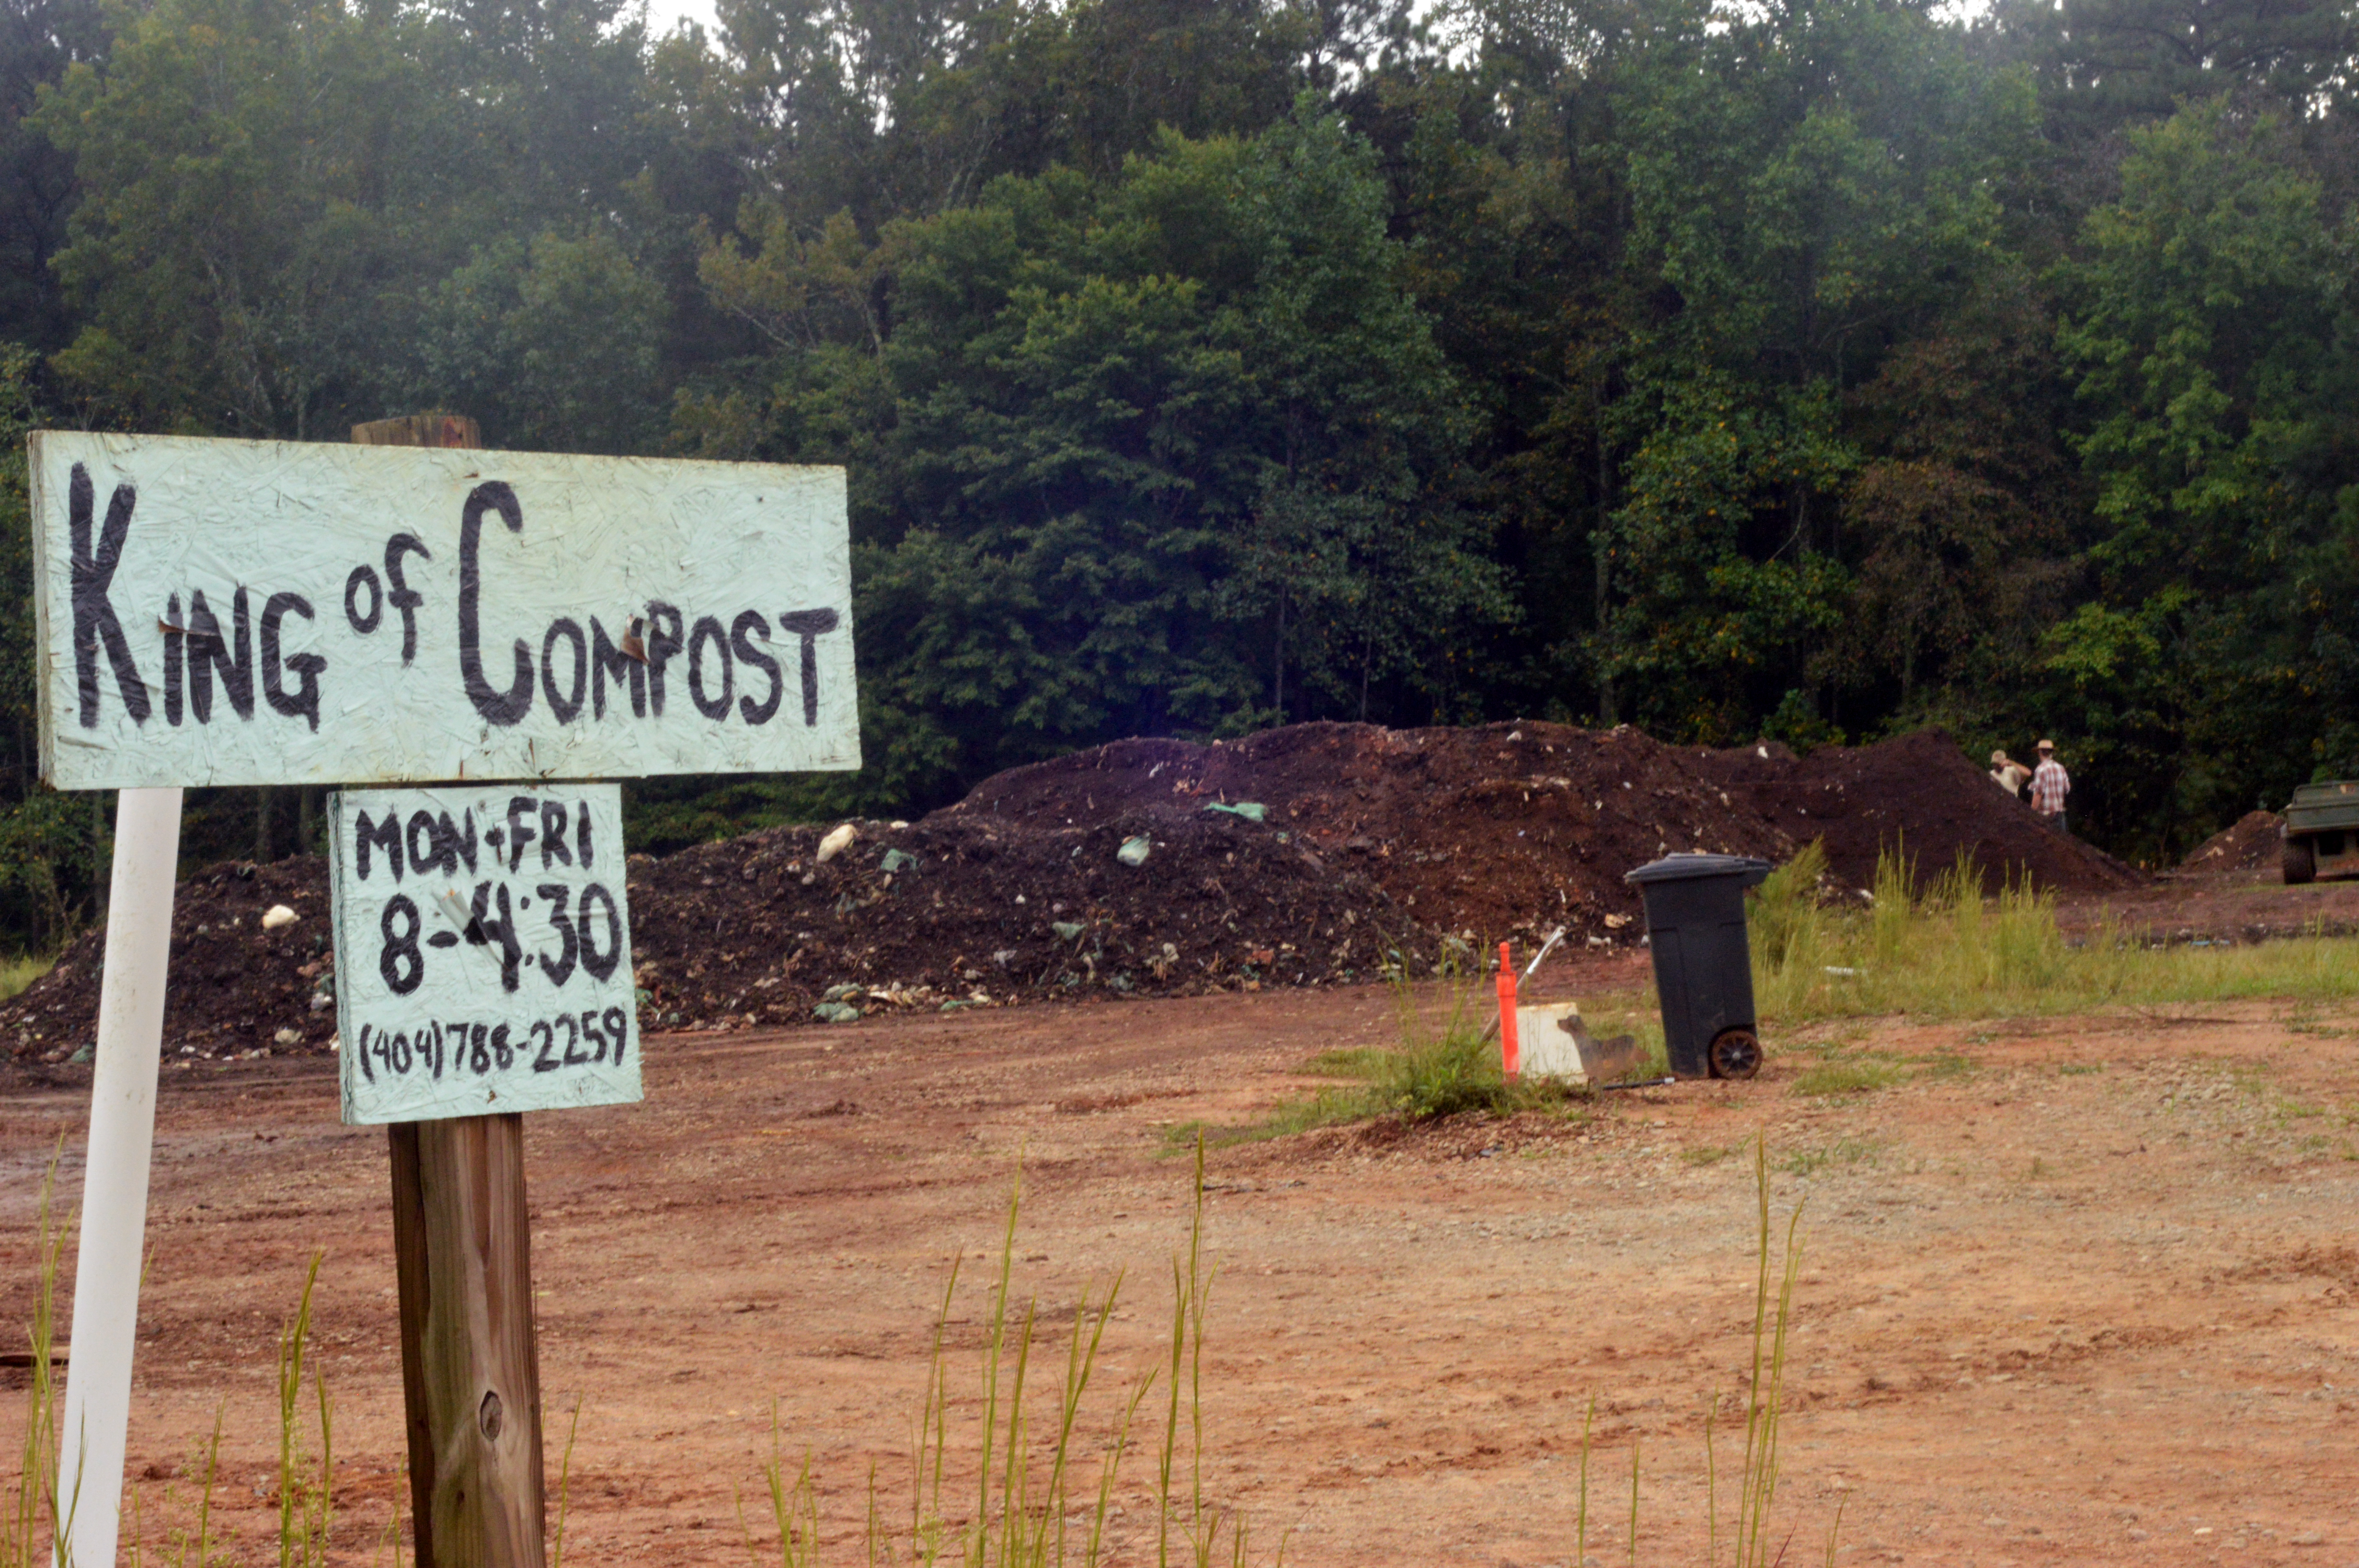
[
  {"x": 1850, "y": 1076},
  {"x": 1941, "y": 946},
  {"x": 15, "y": 974},
  {"x": 32, "y": 1516},
  {"x": 1034, "y": 1504},
  {"x": 1842, "y": 1152}
]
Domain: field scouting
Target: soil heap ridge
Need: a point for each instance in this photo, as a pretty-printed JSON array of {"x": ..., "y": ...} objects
[
  {"x": 1514, "y": 829},
  {"x": 757, "y": 929},
  {"x": 1374, "y": 844},
  {"x": 2251, "y": 843}
]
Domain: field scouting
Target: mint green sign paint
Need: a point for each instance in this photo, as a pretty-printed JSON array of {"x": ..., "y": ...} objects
[
  {"x": 267, "y": 612},
  {"x": 482, "y": 950}
]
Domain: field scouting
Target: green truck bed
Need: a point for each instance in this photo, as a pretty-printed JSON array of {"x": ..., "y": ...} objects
[{"x": 2321, "y": 831}]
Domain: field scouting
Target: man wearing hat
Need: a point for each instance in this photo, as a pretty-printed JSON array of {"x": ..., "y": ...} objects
[
  {"x": 2050, "y": 784},
  {"x": 2009, "y": 775}
]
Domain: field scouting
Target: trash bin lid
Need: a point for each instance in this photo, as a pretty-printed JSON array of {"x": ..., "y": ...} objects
[{"x": 1695, "y": 867}]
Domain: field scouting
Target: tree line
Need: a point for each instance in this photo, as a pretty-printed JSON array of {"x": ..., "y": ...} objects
[{"x": 1800, "y": 368}]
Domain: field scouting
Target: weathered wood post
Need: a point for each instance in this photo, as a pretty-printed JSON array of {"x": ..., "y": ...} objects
[{"x": 462, "y": 1266}]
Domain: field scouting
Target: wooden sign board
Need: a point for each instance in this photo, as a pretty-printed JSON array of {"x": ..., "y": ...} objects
[
  {"x": 249, "y": 612},
  {"x": 482, "y": 951}
]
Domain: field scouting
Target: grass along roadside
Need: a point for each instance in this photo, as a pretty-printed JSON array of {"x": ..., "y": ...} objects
[
  {"x": 1447, "y": 1063},
  {"x": 15, "y": 974},
  {"x": 1942, "y": 947}
]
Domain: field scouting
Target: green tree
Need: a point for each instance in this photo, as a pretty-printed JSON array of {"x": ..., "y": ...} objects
[{"x": 2211, "y": 331}]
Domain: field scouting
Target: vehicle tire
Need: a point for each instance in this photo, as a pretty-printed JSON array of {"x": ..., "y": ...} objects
[
  {"x": 2296, "y": 860},
  {"x": 1735, "y": 1054}
]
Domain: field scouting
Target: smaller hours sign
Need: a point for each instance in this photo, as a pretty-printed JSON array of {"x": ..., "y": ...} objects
[{"x": 482, "y": 951}]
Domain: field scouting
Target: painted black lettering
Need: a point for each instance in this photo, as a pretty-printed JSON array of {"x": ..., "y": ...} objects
[
  {"x": 461, "y": 839},
  {"x": 366, "y": 1071},
  {"x": 590, "y": 1028},
  {"x": 570, "y": 945},
  {"x": 427, "y": 850},
  {"x": 522, "y": 810},
  {"x": 399, "y": 961},
  {"x": 364, "y": 576},
  {"x": 750, "y": 624},
  {"x": 210, "y": 652},
  {"x": 615, "y": 1025},
  {"x": 809, "y": 625},
  {"x": 581, "y": 836},
  {"x": 573, "y": 1054},
  {"x": 93, "y": 572},
  {"x": 499, "y": 708},
  {"x": 708, "y": 631},
  {"x": 552, "y": 834},
  {"x": 608, "y": 662},
  {"x": 403, "y": 597},
  {"x": 663, "y": 646},
  {"x": 600, "y": 965},
  {"x": 566, "y": 704},
  {"x": 502, "y": 930},
  {"x": 303, "y": 702},
  {"x": 543, "y": 1062},
  {"x": 173, "y": 638},
  {"x": 384, "y": 835}
]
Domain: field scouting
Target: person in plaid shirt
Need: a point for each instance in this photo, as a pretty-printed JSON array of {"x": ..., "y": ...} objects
[{"x": 2050, "y": 784}]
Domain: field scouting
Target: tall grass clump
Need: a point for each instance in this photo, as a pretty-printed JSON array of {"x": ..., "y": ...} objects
[
  {"x": 17, "y": 973},
  {"x": 33, "y": 1517},
  {"x": 1742, "y": 1531},
  {"x": 306, "y": 1494},
  {"x": 1045, "y": 1473},
  {"x": 1747, "y": 1527},
  {"x": 1947, "y": 946}
]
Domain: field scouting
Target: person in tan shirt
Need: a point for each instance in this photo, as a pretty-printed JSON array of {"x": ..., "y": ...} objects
[{"x": 2010, "y": 776}]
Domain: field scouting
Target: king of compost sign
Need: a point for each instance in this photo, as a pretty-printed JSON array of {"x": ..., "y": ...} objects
[{"x": 253, "y": 613}]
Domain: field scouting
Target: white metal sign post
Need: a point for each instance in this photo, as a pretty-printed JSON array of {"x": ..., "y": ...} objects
[{"x": 241, "y": 613}]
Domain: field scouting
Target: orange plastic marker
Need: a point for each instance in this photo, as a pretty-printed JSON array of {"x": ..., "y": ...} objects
[{"x": 1510, "y": 1056}]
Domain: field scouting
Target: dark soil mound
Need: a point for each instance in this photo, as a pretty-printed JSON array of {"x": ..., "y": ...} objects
[
  {"x": 2248, "y": 844},
  {"x": 1919, "y": 795},
  {"x": 1512, "y": 829},
  {"x": 1371, "y": 838},
  {"x": 1500, "y": 830},
  {"x": 944, "y": 912},
  {"x": 233, "y": 985},
  {"x": 755, "y": 929}
]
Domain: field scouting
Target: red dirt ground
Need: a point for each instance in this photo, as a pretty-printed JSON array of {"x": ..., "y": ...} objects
[{"x": 2076, "y": 1290}]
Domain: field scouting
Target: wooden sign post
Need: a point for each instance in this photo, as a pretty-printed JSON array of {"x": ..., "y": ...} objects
[{"x": 406, "y": 610}]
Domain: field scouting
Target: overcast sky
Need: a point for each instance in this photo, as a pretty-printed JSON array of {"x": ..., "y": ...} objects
[{"x": 663, "y": 14}]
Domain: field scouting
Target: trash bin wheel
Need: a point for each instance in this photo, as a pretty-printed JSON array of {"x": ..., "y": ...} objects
[
  {"x": 1735, "y": 1053},
  {"x": 2297, "y": 861}
]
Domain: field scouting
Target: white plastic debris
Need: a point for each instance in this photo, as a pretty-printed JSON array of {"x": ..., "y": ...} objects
[
  {"x": 1134, "y": 851},
  {"x": 838, "y": 839},
  {"x": 278, "y": 915},
  {"x": 288, "y": 1037}
]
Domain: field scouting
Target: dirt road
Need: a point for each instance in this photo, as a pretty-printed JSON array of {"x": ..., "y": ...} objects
[{"x": 2074, "y": 1292}]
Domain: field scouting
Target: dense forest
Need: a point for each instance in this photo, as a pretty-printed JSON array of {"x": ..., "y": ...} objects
[{"x": 1807, "y": 369}]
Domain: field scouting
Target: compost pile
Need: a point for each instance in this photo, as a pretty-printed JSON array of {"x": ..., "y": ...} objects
[
  {"x": 1512, "y": 829},
  {"x": 1314, "y": 854},
  {"x": 2248, "y": 844},
  {"x": 236, "y": 989},
  {"x": 954, "y": 913},
  {"x": 759, "y": 930}
]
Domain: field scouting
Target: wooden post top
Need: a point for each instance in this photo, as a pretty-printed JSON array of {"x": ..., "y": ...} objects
[{"x": 433, "y": 429}]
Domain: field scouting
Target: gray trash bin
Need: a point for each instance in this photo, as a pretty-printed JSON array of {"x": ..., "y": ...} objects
[{"x": 1704, "y": 963}]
